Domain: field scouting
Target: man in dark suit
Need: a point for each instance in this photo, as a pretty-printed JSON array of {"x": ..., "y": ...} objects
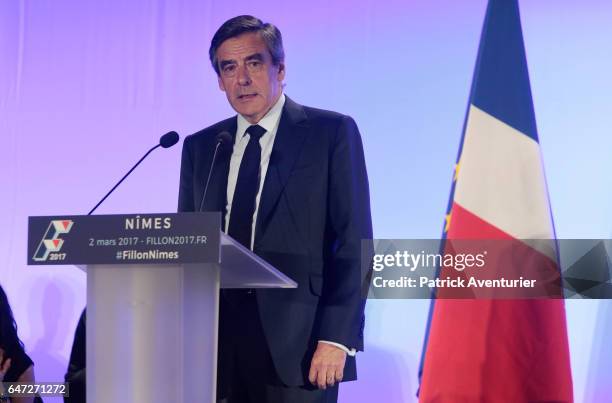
[{"x": 293, "y": 187}]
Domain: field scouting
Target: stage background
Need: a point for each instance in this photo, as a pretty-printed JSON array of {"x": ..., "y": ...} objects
[{"x": 87, "y": 86}]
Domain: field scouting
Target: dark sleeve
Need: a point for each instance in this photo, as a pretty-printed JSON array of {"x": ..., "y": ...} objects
[
  {"x": 75, "y": 375},
  {"x": 20, "y": 361},
  {"x": 349, "y": 221},
  {"x": 185, "y": 202}
]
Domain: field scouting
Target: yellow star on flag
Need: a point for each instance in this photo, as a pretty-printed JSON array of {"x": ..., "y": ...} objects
[
  {"x": 456, "y": 171},
  {"x": 448, "y": 221}
]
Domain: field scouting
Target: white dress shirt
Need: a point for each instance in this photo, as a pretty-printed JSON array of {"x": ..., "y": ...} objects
[
  {"x": 266, "y": 142},
  {"x": 269, "y": 122}
]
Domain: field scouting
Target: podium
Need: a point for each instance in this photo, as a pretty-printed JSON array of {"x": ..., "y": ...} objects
[{"x": 152, "y": 329}]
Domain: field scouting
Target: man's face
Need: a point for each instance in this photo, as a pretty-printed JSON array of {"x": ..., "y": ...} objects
[{"x": 251, "y": 82}]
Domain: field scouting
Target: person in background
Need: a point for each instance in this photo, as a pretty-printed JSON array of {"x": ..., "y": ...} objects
[
  {"x": 15, "y": 365},
  {"x": 75, "y": 376}
]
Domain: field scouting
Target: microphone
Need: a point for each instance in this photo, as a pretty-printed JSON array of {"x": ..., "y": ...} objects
[
  {"x": 223, "y": 139},
  {"x": 167, "y": 140}
]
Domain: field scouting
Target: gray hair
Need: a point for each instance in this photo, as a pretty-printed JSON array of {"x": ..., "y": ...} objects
[{"x": 247, "y": 23}]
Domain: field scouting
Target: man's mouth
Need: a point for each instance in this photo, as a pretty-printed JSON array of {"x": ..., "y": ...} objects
[{"x": 246, "y": 97}]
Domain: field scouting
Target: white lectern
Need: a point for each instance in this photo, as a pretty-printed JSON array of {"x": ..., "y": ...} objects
[{"x": 152, "y": 329}]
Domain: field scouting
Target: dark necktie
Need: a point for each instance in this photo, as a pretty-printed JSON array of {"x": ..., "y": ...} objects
[{"x": 247, "y": 185}]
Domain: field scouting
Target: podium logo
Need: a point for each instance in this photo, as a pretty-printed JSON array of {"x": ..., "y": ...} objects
[{"x": 51, "y": 242}]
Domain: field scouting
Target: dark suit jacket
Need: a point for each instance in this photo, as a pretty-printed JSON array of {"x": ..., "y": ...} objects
[{"x": 314, "y": 210}]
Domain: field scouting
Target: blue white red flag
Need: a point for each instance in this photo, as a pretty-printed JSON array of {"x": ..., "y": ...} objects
[{"x": 499, "y": 350}]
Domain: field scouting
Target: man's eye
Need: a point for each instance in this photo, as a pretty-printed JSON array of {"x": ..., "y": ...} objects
[
  {"x": 254, "y": 63},
  {"x": 229, "y": 68}
]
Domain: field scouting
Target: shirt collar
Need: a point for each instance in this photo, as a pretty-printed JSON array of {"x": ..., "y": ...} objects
[{"x": 268, "y": 122}]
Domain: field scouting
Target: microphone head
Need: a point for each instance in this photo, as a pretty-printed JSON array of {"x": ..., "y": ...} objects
[
  {"x": 224, "y": 138},
  {"x": 169, "y": 139}
]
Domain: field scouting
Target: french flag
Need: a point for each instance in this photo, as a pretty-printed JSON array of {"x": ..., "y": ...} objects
[{"x": 498, "y": 350}]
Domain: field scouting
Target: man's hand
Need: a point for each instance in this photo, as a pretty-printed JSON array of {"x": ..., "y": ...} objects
[{"x": 327, "y": 365}]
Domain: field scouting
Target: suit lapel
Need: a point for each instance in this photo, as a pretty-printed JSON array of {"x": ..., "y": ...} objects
[{"x": 292, "y": 131}]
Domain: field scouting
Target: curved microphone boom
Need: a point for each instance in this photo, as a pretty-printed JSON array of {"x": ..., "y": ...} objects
[
  {"x": 223, "y": 139},
  {"x": 167, "y": 140}
]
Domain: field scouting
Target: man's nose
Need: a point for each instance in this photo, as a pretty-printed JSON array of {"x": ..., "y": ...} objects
[{"x": 243, "y": 76}]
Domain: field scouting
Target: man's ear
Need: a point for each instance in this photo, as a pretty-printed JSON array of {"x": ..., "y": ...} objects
[
  {"x": 281, "y": 71},
  {"x": 221, "y": 85}
]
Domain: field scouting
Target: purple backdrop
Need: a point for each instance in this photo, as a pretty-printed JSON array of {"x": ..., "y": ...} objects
[{"x": 87, "y": 86}]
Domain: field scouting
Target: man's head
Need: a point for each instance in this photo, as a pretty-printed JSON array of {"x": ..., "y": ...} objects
[{"x": 249, "y": 60}]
